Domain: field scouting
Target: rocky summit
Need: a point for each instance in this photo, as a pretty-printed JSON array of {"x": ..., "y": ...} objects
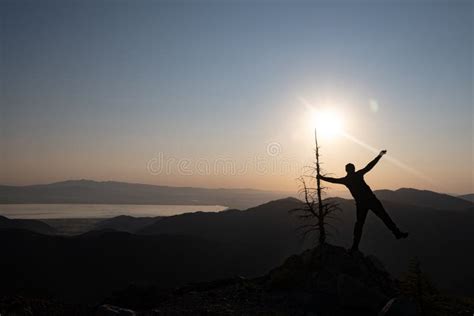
[
  {"x": 330, "y": 279},
  {"x": 326, "y": 280}
]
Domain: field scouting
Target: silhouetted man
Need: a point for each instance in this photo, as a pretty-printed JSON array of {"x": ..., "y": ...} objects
[{"x": 365, "y": 199}]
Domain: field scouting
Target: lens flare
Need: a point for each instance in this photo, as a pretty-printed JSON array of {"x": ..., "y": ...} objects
[{"x": 390, "y": 158}]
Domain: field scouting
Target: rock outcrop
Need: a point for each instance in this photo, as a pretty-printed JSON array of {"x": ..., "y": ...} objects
[
  {"x": 330, "y": 278},
  {"x": 326, "y": 280}
]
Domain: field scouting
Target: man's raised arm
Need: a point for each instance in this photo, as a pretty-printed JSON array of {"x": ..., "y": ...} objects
[
  {"x": 332, "y": 180},
  {"x": 371, "y": 164}
]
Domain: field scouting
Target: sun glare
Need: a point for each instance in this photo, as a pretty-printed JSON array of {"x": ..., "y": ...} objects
[{"x": 328, "y": 123}]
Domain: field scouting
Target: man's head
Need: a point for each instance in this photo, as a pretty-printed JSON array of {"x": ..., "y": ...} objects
[{"x": 350, "y": 168}]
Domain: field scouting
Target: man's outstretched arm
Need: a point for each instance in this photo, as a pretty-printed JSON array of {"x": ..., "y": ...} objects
[
  {"x": 332, "y": 180},
  {"x": 371, "y": 164}
]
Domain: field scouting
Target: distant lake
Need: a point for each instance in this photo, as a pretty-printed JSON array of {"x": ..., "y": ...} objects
[{"x": 42, "y": 211}]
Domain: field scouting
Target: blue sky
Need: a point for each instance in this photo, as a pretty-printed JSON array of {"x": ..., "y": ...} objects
[{"x": 96, "y": 89}]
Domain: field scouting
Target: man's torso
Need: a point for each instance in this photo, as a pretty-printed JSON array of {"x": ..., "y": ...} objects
[{"x": 358, "y": 188}]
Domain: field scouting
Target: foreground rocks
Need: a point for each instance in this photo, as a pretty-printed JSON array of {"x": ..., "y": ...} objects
[
  {"x": 324, "y": 280},
  {"x": 332, "y": 278},
  {"x": 23, "y": 306},
  {"x": 110, "y": 310}
]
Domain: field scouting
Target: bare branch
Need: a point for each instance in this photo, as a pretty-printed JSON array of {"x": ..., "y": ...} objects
[{"x": 315, "y": 211}]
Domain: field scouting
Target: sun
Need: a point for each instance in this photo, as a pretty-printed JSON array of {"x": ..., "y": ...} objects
[{"x": 328, "y": 122}]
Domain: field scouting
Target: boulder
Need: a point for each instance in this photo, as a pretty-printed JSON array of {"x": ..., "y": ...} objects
[
  {"x": 333, "y": 276},
  {"x": 111, "y": 310},
  {"x": 399, "y": 306},
  {"x": 352, "y": 293}
]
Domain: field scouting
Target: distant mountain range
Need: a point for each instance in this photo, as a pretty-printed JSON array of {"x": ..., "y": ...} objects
[
  {"x": 88, "y": 267},
  {"x": 111, "y": 192},
  {"x": 441, "y": 238},
  {"x": 175, "y": 250},
  {"x": 27, "y": 224},
  {"x": 126, "y": 223},
  {"x": 425, "y": 198},
  {"x": 467, "y": 197}
]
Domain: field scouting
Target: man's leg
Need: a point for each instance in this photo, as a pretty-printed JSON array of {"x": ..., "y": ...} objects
[
  {"x": 377, "y": 207},
  {"x": 362, "y": 211}
]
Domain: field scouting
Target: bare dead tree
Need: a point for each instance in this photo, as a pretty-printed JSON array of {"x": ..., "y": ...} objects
[{"x": 315, "y": 211}]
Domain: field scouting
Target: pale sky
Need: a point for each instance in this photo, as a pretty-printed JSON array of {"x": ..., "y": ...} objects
[{"x": 208, "y": 93}]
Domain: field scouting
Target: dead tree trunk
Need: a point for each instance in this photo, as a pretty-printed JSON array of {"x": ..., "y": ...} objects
[{"x": 322, "y": 229}]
